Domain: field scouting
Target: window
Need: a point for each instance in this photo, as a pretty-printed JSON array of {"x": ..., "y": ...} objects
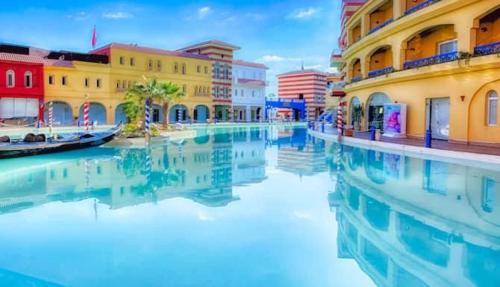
[
  {"x": 183, "y": 69},
  {"x": 132, "y": 62},
  {"x": 11, "y": 79},
  {"x": 118, "y": 84},
  {"x": 226, "y": 71},
  {"x": 235, "y": 92},
  {"x": 64, "y": 81},
  {"x": 98, "y": 83},
  {"x": 184, "y": 88},
  {"x": 158, "y": 65},
  {"x": 216, "y": 71},
  {"x": 198, "y": 69},
  {"x": 150, "y": 65},
  {"x": 122, "y": 60},
  {"x": 448, "y": 47},
  {"x": 28, "y": 79},
  {"x": 86, "y": 82},
  {"x": 253, "y": 93},
  {"x": 492, "y": 108},
  {"x": 176, "y": 68},
  {"x": 51, "y": 79},
  {"x": 124, "y": 85},
  {"x": 206, "y": 70}
]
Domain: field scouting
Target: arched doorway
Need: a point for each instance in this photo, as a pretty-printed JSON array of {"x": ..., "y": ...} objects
[
  {"x": 375, "y": 107},
  {"x": 355, "y": 113},
  {"x": 62, "y": 114},
  {"x": 178, "y": 113},
  {"x": 97, "y": 113},
  {"x": 157, "y": 115},
  {"x": 258, "y": 114},
  {"x": 485, "y": 105},
  {"x": 201, "y": 114},
  {"x": 120, "y": 116}
]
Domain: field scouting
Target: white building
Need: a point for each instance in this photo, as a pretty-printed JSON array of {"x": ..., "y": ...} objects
[{"x": 249, "y": 91}]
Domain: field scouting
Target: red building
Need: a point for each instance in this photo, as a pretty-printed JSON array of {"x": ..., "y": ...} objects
[
  {"x": 349, "y": 7},
  {"x": 308, "y": 85},
  {"x": 21, "y": 85}
]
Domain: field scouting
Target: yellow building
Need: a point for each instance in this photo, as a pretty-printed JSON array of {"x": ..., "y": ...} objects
[
  {"x": 106, "y": 73},
  {"x": 441, "y": 58}
]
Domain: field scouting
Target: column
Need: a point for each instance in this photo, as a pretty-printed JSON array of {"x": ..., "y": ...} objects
[{"x": 248, "y": 113}]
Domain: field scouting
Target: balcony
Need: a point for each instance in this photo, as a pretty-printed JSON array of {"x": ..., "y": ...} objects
[
  {"x": 488, "y": 49},
  {"x": 375, "y": 29},
  {"x": 438, "y": 59},
  {"x": 253, "y": 83},
  {"x": 420, "y": 6},
  {"x": 380, "y": 72},
  {"x": 356, "y": 79}
]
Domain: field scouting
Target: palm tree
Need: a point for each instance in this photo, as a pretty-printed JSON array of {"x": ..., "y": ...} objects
[{"x": 158, "y": 91}]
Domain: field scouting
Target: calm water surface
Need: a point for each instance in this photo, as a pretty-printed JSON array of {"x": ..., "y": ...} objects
[{"x": 247, "y": 207}]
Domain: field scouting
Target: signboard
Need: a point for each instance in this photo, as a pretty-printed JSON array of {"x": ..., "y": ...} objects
[{"x": 395, "y": 120}]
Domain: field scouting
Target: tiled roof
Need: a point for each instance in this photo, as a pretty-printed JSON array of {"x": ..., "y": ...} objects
[
  {"x": 250, "y": 64},
  {"x": 303, "y": 72},
  {"x": 142, "y": 49},
  {"x": 216, "y": 43},
  {"x": 33, "y": 60}
]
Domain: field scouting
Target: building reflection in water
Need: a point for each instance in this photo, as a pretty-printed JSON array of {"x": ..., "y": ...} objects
[{"x": 414, "y": 222}]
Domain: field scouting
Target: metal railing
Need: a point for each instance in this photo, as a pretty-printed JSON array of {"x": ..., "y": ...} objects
[
  {"x": 420, "y": 6},
  {"x": 375, "y": 29},
  {"x": 380, "y": 72},
  {"x": 356, "y": 79},
  {"x": 438, "y": 59},
  {"x": 488, "y": 49}
]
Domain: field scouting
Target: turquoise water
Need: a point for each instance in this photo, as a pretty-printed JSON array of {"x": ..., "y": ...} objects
[{"x": 247, "y": 207}]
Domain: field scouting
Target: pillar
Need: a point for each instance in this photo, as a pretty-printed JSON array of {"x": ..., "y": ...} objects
[{"x": 248, "y": 113}]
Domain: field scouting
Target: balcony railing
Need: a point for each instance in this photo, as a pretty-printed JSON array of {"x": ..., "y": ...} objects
[
  {"x": 380, "y": 72},
  {"x": 488, "y": 49},
  {"x": 447, "y": 57},
  {"x": 420, "y": 6},
  {"x": 356, "y": 79},
  {"x": 380, "y": 26}
]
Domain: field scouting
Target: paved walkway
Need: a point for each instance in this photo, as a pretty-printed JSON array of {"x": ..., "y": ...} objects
[{"x": 438, "y": 144}]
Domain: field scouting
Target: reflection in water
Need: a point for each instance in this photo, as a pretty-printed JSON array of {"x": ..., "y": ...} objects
[
  {"x": 413, "y": 222},
  {"x": 404, "y": 221}
]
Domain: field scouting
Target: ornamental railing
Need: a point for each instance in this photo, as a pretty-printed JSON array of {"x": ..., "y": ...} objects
[
  {"x": 442, "y": 58},
  {"x": 420, "y": 6},
  {"x": 488, "y": 49},
  {"x": 380, "y": 72},
  {"x": 356, "y": 79},
  {"x": 380, "y": 26}
]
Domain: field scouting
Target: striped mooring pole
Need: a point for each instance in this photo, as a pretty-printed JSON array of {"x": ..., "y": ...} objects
[
  {"x": 147, "y": 120},
  {"x": 51, "y": 116},
  {"x": 148, "y": 166},
  {"x": 86, "y": 110},
  {"x": 340, "y": 119}
]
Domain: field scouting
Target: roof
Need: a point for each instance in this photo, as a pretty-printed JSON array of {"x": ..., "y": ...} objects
[
  {"x": 303, "y": 72},
  {"x": 33, "y": 60},
  {"x": 250, "y": 64},
  {"x": 132, "y": 47},
  {"x": 216, "y": 43}
]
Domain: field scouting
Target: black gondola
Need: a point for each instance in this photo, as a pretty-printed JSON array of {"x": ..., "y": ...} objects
[{"x": 52, "y": 145}]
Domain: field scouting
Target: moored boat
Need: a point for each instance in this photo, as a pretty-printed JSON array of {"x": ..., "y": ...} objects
[{"x": 51, "y": 145}]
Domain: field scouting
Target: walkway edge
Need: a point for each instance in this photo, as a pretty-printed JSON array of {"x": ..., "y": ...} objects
[{"x": 415, "y": 151}]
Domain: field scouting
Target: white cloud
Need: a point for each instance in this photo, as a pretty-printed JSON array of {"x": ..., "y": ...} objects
[
  {"x": 117, "y": 15},
  {"x": 79, "y": 16},
  {"x": 204, "y": 11},
  {"x": 276, "y": 59},
  {"x": 304, "y": 13}
]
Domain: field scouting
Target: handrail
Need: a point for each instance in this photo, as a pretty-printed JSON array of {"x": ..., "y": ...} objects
[
  {"x": 438, "y": 59},
  {"x": 420, "y": 6},
  {"x": 380, "y": 26},
  {"x": 488, "y": 49},
  {"x": 380, "y": 72},
  {"x": 356, "y": 79}
]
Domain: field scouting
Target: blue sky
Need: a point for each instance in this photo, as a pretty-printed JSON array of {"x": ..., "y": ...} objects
[{"x": 280, "y": 34}]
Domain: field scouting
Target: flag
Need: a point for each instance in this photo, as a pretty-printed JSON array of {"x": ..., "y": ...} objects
[{"x": 94, "y": 38}]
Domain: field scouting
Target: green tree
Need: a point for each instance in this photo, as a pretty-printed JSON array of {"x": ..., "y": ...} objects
[{"x": 160, "y": 92}]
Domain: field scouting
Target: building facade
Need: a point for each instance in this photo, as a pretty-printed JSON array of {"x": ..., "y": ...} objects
[
  {"x": 21, "y": 86},
  {"x": 440, "y": 58},
  {"x": 308, "y": 85},
  {"x": 249, "y": 91},
  {"x": 221, "y": 55}
]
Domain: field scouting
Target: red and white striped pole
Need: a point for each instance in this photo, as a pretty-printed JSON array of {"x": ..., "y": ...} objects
[
  {"x": 340, "y": 119},
  {"x": 86, "y": 109},
  {"x": 51, "y": 116}
]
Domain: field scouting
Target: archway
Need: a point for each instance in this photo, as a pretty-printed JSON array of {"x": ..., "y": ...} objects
[
  {"x": 485, "y": 34},
  {"x": 97, "y": 113},
  {"x": 483, "y": 105},
  {"x": 375, "y": 108},
  {"x": 178, "y": 113},
  {"x": 120, "y": 116},
  {"x": 355, "y": 113},
  {"x": 201, "y": 114},
  {"x": 62, "y": 114}
]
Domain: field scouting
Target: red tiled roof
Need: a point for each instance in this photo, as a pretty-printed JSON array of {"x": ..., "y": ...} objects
[
  {"x": 149, "y": 51},
  {"x": 303, "y": 72},
  {"x": 33, "y": 60},
  {"x": 250, "y": 64}
]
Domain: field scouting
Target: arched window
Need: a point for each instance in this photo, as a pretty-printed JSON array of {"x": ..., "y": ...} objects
[
  {"x": 28, "y": 79},
  {"x": 492, "y": 108},
  {"x": 11, "y": 79}
]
